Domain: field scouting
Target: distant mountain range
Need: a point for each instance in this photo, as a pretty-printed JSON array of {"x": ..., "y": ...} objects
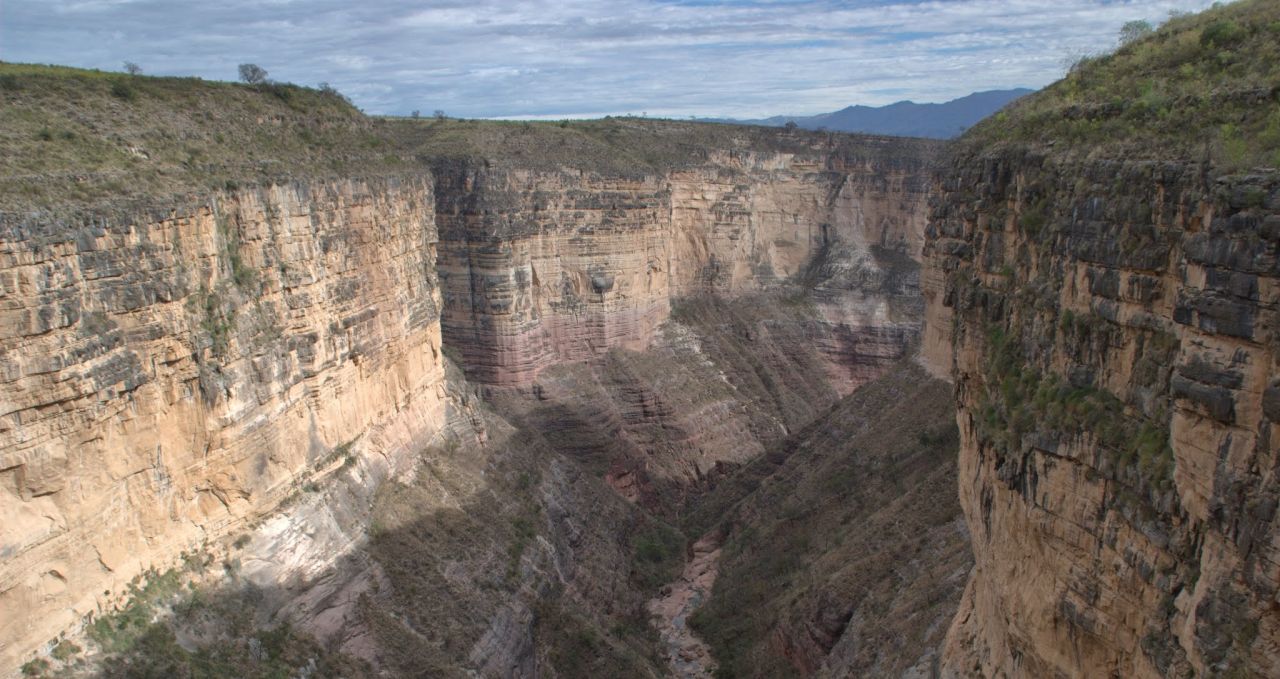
[{"x": 905, "y": 118}]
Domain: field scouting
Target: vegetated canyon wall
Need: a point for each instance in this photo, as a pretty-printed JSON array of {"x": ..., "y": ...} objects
[
  {"x": 1115, "y": 334},
  {"x": 173, "y": 375},
  {"x": 843, "y": 551},
  {"x": 543, "y": 267}
]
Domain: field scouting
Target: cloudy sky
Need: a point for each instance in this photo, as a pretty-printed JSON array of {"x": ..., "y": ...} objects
[{"x": 554, "y": 58}]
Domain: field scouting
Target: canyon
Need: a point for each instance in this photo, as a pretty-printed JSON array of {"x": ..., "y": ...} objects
[
  {"x": 437, "y": 416},
  {"x": 291, "y": 390}
]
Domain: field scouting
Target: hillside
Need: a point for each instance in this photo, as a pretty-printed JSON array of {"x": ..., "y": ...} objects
[
  {"x": 78, "y": 138},
  {"x": 944, "y": 120},
  {"x": 1201, "y": 87},
  {"x": 843, "y": 549}
]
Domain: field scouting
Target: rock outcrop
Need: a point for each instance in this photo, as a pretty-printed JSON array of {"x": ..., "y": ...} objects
[
  {"x": 171, "y": 377},
  {"x": 1115, "y": 356},
  {"x": 540, "y": 267}
]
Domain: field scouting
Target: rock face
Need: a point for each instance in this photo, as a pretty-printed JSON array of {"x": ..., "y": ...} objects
[
  {"x": 1114, "y": 333},
  {"x": 540, "y": 267},
  {"x": 174, "y": 373},
  {"x": 170, "y": 377}
]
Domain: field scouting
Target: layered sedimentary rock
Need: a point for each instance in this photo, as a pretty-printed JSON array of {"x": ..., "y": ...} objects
[
  {"x": 546, "y": 266},
  {"x": 1115, "y": 352},
  {"x": 172, "y": 375},
  {"x": 721, "y": 381}
]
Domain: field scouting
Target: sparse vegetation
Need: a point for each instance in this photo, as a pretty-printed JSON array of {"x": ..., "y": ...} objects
[
  {"x": 35, "y": 667},
  {"x": 846, "y": 527},
  {"x": 144, "y": 139},
  {"x": 1197, "y": 85},
  {"x": 657, "y": 555},
  {"x": 1019, "y": 400},
  {"x": 253, "y": 74},
  {"x": 141, "y": 640},
  {"x": 64, "y": 651},
  {"x": 216, "y": 319}
]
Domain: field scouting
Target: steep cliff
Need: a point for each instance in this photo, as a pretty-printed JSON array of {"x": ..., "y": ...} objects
[
  {"x": 542, "y": 266},
  {"x": 171, "y": 377},
  {"x": 223, "y": 316},
  {"x": 1106, "y": 269}
]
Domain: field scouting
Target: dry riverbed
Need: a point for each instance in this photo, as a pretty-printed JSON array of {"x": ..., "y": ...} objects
[{"x": 687, "y": 655}]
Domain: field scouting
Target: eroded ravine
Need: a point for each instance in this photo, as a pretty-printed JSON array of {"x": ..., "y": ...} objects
[{"x": 688, "y": 656}]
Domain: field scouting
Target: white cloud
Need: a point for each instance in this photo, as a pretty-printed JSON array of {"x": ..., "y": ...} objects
[{"x": 576, "y": 57}]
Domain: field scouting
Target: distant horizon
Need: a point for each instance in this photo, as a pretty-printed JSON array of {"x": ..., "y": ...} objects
[
  {"x": 576, "y": 59},
  {"x": 723, "y": 118}
]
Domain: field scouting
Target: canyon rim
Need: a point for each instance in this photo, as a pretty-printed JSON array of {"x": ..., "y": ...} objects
[{"x": 287, "y": 389}]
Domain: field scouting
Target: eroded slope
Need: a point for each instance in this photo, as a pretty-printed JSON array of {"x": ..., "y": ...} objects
[{"x": 844, "y": 549}]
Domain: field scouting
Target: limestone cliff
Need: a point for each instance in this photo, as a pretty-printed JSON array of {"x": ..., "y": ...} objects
[
  {"x": 544, "y": 266},
  {"x": 172, "y": 376},
  {"x": 1112, "y": 312},
  {"x": 242, "y": 353}
]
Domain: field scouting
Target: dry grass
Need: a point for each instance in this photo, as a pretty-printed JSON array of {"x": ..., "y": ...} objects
[
  {"x": 1200, "y": 87},
  {"x": 78, "y": 139}
]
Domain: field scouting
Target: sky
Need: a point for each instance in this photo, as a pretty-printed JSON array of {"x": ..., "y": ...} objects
[{"x": 579, "y": 58}]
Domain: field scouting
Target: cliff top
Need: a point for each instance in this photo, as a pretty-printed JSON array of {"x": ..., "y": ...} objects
[
  {"x": 1204, "y": 86},
  {"x": 80, "y": 140}
]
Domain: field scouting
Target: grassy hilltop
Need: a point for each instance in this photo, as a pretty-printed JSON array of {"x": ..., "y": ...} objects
[
  {"x": 1204, "y": 86},
  {"x": 76, "y": 138}
]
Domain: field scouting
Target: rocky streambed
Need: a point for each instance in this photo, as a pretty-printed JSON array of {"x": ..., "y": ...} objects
[{"x": 688, "y": 656}]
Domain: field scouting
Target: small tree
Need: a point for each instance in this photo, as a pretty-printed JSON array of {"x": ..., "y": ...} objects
[
  {"x": 1133, "y": 31},
  {"x": 791, "y": 125},
  {"x": 439, "y": 114},
  {"x": 416, "y": 113},
  {"x": 132, "y": 68},
  {"x": 253, "y": 74}
]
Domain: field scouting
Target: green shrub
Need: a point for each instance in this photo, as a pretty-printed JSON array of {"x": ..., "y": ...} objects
[
  {"x": 1222, "y": 33},
  {"x": 121, "y": 90},
  {"x": 64, "y": 650},
  {"x": 35, "y": 668}
]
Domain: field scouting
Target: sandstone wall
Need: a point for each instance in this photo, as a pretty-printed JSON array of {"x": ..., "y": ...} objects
[
  {"x": 170, "y": 377},
  {"x": 1115, "y": 339},
  {"x": 540, "y": 267}
]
